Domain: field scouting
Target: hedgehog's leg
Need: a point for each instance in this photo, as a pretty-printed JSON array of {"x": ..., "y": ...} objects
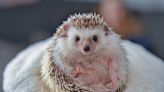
[
  {"x": 115, "y": 81},
  {"x": 112, "y": 67}
]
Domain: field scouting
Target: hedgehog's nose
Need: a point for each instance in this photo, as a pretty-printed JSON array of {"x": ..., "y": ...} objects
[{"x": 86, "y": 48}]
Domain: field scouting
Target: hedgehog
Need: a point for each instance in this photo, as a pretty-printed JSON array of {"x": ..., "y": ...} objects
[{"x": 85, "y": 56}]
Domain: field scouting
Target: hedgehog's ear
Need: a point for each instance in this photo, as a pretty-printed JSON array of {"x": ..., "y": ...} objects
[
  {"x": 106, "y": 30},
  {"x": 66, "y": 27},
  {"x": 64, "y": 31}
]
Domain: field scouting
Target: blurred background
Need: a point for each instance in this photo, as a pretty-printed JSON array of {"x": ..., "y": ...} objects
[{"x": 24, "y": 22}]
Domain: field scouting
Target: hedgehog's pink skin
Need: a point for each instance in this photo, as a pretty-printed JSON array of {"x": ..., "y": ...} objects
[{"x": 88, "y": 74}]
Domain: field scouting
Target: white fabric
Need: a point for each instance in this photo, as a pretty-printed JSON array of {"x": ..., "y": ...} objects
[{"x": 22, "y": 73}]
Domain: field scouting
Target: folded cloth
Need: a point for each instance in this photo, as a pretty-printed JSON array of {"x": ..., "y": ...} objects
[{"x": 22, "y": 74}]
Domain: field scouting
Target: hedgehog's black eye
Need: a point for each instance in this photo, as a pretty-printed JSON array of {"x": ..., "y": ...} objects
[
  {"x": 77, "y": 38},
  {"x": 94, "y": 38}
]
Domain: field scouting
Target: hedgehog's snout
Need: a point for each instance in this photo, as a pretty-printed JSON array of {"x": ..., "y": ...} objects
[{"x": 86, "y": 48}]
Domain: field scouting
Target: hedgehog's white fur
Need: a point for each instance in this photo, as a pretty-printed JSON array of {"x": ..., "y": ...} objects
[{"x": 23, "y": 73}]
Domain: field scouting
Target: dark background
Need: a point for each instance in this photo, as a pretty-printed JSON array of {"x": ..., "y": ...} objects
[{"x": 24, "y": 25}]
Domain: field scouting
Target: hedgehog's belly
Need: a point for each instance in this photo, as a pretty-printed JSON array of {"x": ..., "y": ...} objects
[{"x": 93, "y": 75}]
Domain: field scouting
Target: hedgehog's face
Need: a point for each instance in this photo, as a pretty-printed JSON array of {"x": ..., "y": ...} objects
[{"x": 86, "y": 40}]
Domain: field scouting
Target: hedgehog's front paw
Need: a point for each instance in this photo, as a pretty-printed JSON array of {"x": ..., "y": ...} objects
[{"x": 78, "y": 69}]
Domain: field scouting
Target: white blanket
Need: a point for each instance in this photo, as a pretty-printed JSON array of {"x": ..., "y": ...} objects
[{"x": 22, "y": 74}]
